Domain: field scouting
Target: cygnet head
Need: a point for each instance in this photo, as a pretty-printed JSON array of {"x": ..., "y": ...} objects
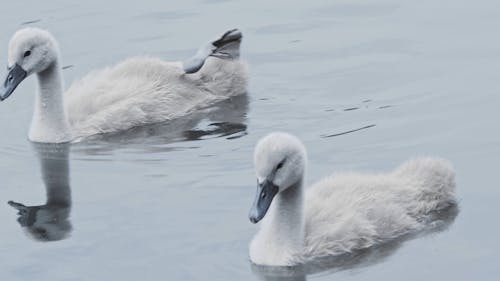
[
  {"x": 280, "y": 161},
  {"x": 31, "y": 50}
]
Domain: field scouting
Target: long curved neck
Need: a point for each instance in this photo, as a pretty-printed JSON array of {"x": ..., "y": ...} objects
[
  {"x": 287, "y": 216},
  {"x": 49, "y": 123},
  {"x": 282, "y": 232}
]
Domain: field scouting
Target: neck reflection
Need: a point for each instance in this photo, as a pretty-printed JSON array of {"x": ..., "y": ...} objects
[{"x": 49, "y": 222}]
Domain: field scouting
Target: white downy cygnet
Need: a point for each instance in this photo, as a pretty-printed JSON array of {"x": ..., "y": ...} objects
[
  {"x": 341, "y": 213},
  {"x": 137, "y": 91}
]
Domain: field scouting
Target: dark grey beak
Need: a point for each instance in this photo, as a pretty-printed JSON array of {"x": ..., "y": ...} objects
[
  {"x": 265, "y": 194},
  {"x": 14, "y": 77}
]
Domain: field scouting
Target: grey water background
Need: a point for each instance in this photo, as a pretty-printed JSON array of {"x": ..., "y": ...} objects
[{"x": 170, "y": 202}]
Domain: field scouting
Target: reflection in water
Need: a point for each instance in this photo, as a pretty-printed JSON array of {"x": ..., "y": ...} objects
[
  {"x": 440, "y": 222},
  {"x": 49, "y": 222},
  {"x": 226, "y": 118},
  {"x": 222, "y": 129}
]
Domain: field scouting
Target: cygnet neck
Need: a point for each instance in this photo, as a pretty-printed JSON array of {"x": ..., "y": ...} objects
[
  {"x": 286, "y": 220},
  {"x": 50, "y": 123}
]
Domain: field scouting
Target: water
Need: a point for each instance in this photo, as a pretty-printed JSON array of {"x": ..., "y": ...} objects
[{"x": 171, "y": 201}]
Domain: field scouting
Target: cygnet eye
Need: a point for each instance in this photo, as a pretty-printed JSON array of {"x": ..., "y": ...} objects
[
  {"x": 27, "y": 53},
  {"x": 280, "y": 165}
]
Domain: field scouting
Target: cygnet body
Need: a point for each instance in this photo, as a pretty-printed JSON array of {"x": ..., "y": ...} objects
[
  {"x": 341, "y": 213},
  {"x": 137, "y": 91}
]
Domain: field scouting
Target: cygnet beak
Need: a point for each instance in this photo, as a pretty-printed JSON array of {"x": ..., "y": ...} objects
[
  {"x": 14, "y": 77},
  {"x": 265, "y": 194}
]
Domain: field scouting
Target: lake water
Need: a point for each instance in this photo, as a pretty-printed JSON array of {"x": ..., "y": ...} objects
[{"x": 170, "y": 202}]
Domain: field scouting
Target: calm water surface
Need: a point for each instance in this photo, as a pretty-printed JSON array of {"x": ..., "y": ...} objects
[{"x": 170, "y": 202}]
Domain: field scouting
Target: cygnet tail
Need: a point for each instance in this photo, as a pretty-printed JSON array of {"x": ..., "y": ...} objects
[
  {"x": 433, "y": 178},
  {"x": 226, "y": 46}
]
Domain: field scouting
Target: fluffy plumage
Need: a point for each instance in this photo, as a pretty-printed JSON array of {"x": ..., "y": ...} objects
[
  {"x": 145, "y": 90},
  {"x": 137, "y": 91},
  {"x": 347, "y": 211}
]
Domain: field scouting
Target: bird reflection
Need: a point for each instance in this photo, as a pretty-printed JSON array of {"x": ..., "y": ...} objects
[
  {"x": 49, "y": 222},
  {"x": 440, "y": 222},
  {"x": 226, "y": 118}
]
